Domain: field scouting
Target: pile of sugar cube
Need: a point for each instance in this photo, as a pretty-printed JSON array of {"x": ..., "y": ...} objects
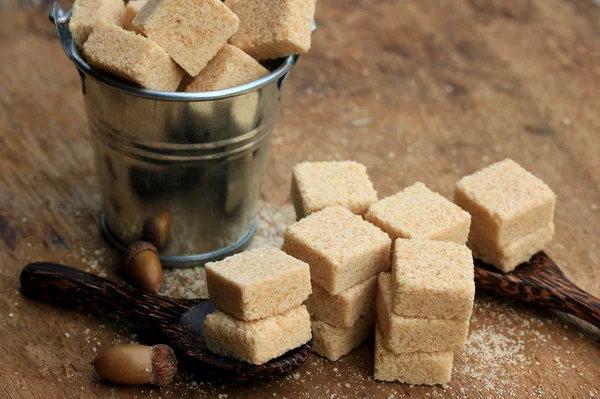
[
  {"x": 345, "y": 254},
  {"x": 155, "y": 43},
  {"x": 423, "y": 310},
  {"x": 258, "y": 295},
  {"x": 425, "y": 305},
  {"x": 350, "y": 241}
]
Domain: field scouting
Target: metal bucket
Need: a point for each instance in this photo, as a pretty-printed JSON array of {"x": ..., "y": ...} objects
[{"x": 195, "y": 159}]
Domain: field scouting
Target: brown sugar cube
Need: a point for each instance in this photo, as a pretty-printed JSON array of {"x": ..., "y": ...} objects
[
  {"x": 418, "y": 212},
  {"x": 334, "y": 342},
  {"x": 86, "y": 13},
  {"x": 131, "y": 56},
  {"x": 271, "y": 30},
  {"x": 318, "y": 185},
  {"x": 433, "y": 280},
  {"x": 258, "y": 283},
  {"x": 421, "y": 368},
  {"x": 507, "y": 203},
  {"x": 345, "y": 308},
  {"x": 131, "y": 10},
  {"x": 191, "y": 32},
  {"x": 402, "y": 334},
  {"x": 508, "y": 257},
  {"x": 257, "y": 341},
  {"x": 231, "y": 67},
  {"x": 341, "y": 249}
]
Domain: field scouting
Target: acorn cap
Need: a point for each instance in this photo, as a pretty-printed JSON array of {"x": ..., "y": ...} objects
[
  {"x": 135, "y": 249},
  {"x": 164, "y": 365}
]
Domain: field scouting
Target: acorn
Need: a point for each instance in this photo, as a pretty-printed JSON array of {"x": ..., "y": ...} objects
[
  {"x": 137, "y": 365},
  {"x": 157, "y": 230},
  {"x": 143, "y": 266}
]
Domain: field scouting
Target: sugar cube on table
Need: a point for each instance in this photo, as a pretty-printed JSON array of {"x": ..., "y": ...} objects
[
  {"x": 402, "y": 334},
  {"x": 191, "y": 32},
  {"x": 86, "y": 14},
  {"x": 341, "y": 249},
  {"x": 318, "y": 185},
  {"x": 345, "y": 308},
  {"x": 270, "y": 29},
  {"x": 418, "y": 212},
  {"x": 432, "y": 279},
  {"x": 132, "y": 9},
  {"x": 131, "y": 56},
  {"x": 231, "y": 67},
  {"x": 427, "y": 368},
  {"x": 258, "y": 283},
  {"x": 334, "y": 342},
  {"x": 512, "y": 213},
  {"x": 257, "y": 341}
]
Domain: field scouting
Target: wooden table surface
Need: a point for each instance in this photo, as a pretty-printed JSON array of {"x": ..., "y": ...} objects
[{"x": 416, "y": 90}]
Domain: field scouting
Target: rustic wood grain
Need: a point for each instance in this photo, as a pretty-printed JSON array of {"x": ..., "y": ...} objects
[{"x": 416, "y": 90}]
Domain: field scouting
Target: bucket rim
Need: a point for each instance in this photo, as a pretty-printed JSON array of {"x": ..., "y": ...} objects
[{"x": 61, "y": 21}]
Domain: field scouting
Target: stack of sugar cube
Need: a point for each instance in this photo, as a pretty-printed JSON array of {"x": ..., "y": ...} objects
[
  {"x": 423, "y": 311},
  {"x": 258, "y": 295},
  {"x": 424, "y": 306},
  {"x": 512, "y": 211},
  {"x": 345, "y": 253},
  {"x": 154, "y": 43}
]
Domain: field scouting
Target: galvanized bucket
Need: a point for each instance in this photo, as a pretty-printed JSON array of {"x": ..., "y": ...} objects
[{"x": 189, "y": 163}]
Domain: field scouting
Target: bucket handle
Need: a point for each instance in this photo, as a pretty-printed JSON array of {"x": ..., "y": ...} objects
[
  {"x": 60, "y": 20},
  {"x": 284, "y": 77}
]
